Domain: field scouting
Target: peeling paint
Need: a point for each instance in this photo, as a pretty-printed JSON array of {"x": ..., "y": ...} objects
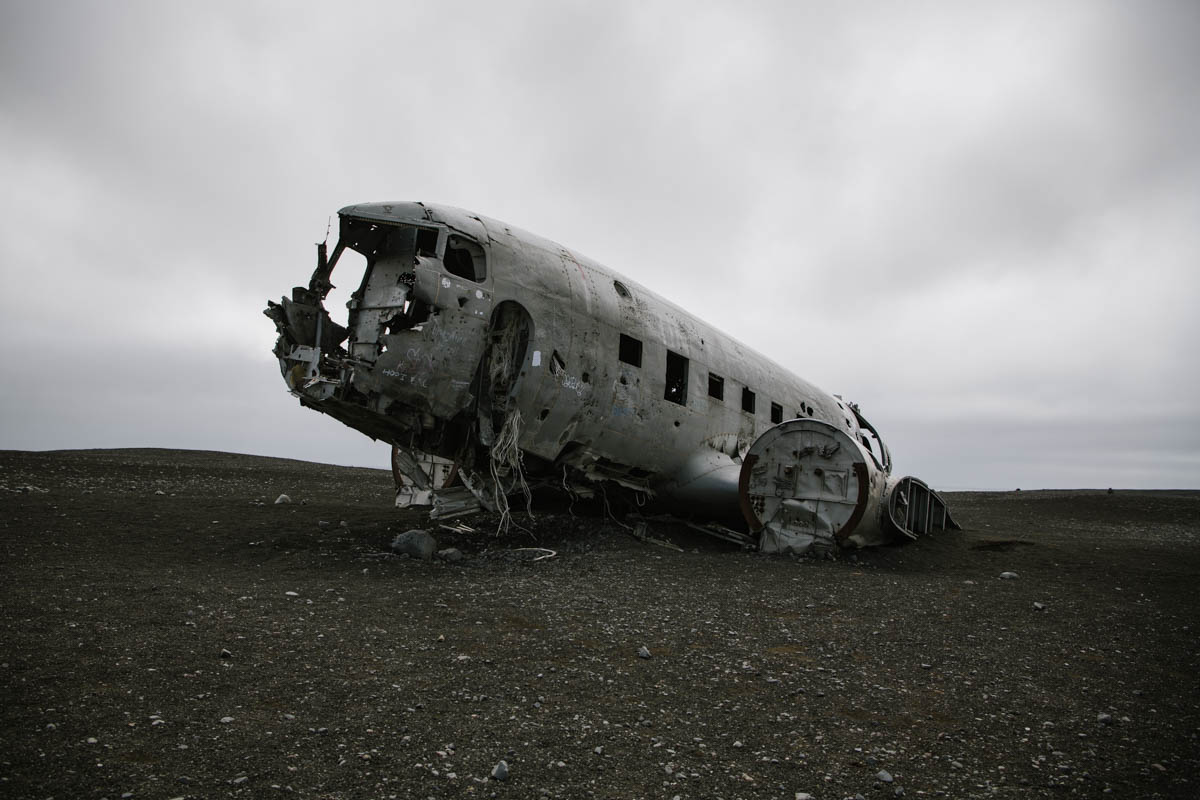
[{"x": 441, "y": 357}]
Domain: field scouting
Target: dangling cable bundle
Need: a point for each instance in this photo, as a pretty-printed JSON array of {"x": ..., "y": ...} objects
[{"x": 506, "y": 461}]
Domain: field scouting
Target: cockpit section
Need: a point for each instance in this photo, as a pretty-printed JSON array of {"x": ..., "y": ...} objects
[{"x": 404, "y": 363}]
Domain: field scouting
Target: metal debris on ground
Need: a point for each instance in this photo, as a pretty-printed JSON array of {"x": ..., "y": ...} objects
[{"x": 547, "y": 553}]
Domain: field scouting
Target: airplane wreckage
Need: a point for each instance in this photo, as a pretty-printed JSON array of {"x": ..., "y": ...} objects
[{"x": 494, "y": 360}]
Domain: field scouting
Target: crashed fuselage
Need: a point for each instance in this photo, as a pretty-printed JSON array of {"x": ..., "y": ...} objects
[{"x": 473, "y": 344}]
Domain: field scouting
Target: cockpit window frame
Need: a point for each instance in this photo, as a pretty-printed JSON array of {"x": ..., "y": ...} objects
[{"x": 458, "y": 247}]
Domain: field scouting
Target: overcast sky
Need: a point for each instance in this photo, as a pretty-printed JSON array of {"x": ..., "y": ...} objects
[{"x": 980, "y": 221}]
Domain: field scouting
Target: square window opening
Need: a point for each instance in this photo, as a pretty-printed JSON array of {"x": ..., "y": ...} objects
[
  {"x": 630, "y": 350},
  {"x": 464, "y": 259},
  {"x": 747, "y": 400},
  {"x": 776, "y": 413},
  {"x": 716, "y": 386},
  {"x": 677, "y": 379}
]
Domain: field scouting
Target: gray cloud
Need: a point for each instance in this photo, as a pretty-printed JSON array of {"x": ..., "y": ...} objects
[{"x": 1008, "y": 190}]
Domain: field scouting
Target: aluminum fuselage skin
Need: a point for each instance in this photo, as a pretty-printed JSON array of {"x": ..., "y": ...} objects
[{"x": 584, "y": 407}]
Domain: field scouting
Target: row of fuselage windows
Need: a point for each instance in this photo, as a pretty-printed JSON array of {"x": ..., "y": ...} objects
[{"x": 676, "y": 385}]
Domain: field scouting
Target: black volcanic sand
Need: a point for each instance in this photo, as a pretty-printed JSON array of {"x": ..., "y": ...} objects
[{"x": 350, "y": 673}]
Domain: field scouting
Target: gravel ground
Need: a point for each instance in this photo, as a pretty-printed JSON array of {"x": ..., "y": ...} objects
[{"x": 170, "y": 631}]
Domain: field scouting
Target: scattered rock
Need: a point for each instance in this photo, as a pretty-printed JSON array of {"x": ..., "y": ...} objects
[
  {"x": 283, "y": 498},
  {"x": 225, "y": 653},
  {"x": 291, "y": 594},
  {"x": 643, "y": 652},
  {"x": 884, "y": 775},
  {"x": 451, "y": 554},
  {"x": 239, "y": 780},
  {"x": 226, "y": 720},
  {"x": 324, "y": 524},
  {"x": 500, "y": 771},
  {"x": 1009, "y": 576},
  {"x": 344, "y": 524},
  {"x": 415, "y": 543},
  {"x": 1104, "y": 719},
  {"x": 1039, "y": 607},
  {"x": 160, "y": 491}
]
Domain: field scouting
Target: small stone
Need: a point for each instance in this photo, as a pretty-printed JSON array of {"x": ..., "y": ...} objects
[
  {"x": 415, "y": 543},
  {"x": 283, "y": 498},
  {"x": 803, "y": 796},
  {"x": 738, "y": 744},
  {"x": 226, "y": 720},
  {"x": 884, "y": 775},
  {"x": 344, "y": 524},
  {"x": 450, "y": 554},
  {"x": 239, "y": 780},
  {"x": 598, "y": 751},
  {"x": 92, "y": 740},
  {"x": 1039, "y": 606},
  {"x": 292, "y": 594},
  {"x": 324, "y": 524},
  {"x": 500, "y": 771},
  {"x": 1158, "y": 767},
  {"x": 643, "y": 652},
  {"x": 1009, "y": 576},
  {"x": 956, "y": 764},
  {"x": 226, "y": 654},
  {"x": 160, "y": 491},
  {"x": 1104, "y": 719}
]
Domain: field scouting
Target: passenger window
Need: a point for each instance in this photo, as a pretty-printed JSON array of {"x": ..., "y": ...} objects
[
  {"x": 776, "y": 413},
  {"x": 464, "y": 259},
  {"x": 716, "y": 386},
  {"x": 630, "y": 350},
  {"x": 677, "y": 379},
  {"x": 747, "y": 400}
]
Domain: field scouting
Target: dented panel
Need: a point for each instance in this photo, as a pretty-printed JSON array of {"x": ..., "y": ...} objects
[{"x": 495, "y": 361}]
